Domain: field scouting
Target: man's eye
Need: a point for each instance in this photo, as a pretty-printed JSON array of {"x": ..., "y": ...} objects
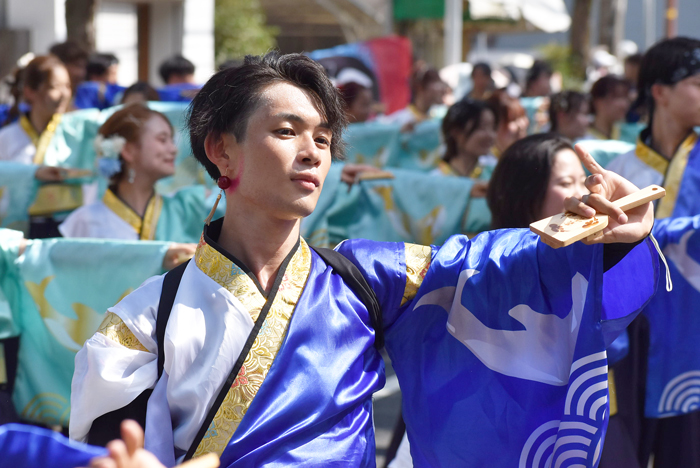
[
  {"x": 285, "y": 131},
  {"x": 323, "y": 141}
]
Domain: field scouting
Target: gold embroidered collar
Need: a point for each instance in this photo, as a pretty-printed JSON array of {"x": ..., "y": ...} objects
[
  {"x": 146, "y": 227},
  {"x": 236, "y": 278},
  {"x": 41, "y": 142},
  {"x": 447, "y": 169}
]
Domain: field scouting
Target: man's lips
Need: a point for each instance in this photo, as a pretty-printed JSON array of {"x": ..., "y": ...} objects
[{"x": 307, "y": 178}]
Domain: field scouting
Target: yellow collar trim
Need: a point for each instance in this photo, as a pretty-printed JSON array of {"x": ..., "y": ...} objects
[
  {"x": 650, "y": 157},
  {"x": 268, "y": 342},
  {"x": 41, "y": 142},
  {"x": 597, "y": 134},
  {"x": 416, "y": 113},
  {"x": 674, "y": 176},
  {"x": 447, "y": 169},
  {"x": 146, "y": 227}
]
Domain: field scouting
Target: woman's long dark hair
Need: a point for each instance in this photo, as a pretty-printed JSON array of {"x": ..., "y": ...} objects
[{"x": 519, "y": 183}]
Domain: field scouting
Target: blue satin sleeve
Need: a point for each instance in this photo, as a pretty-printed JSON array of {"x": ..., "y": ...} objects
[
  {"x": 29, "y": 446},
  {"x": 383, "y": 265}
]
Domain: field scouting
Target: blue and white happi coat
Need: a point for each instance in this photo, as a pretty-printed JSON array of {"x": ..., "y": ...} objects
[{"x": 498, "y": 343}]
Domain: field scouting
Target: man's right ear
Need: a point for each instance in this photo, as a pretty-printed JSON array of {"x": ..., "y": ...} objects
[{"x": 215, "y": 148}]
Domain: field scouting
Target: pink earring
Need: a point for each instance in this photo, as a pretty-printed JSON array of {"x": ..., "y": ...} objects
[{"x": 223, "y": 182}]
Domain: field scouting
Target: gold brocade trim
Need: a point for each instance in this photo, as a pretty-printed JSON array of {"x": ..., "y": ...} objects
[
  {"x": 598, "y": 135},
  {"x": 151, "y": 217},
  {"x": 116, "y": 330},
  {"x": 446, "y": 169},
  {"x": 650, "y": 157},
  {"x": 268, "y": 342},
  {"x": 41, "y": 142},
  {"x": 3, "y": 367},
  {"x": 417, "y": 114},
  {"x": 55, "y": 198},
  {"x": 146, "y": 227},
  {"x": 496, "y": 152},
  {"x": 613, "y": 392},
  {"x": 418, "y": 258},
  {"x": 674, "y": 176}
]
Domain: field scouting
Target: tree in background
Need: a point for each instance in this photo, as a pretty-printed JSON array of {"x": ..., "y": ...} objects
[
  {"x": 580, "y": 36},
  {"x": 80, "y": 22},
  {"x": 240, "y": 28}
]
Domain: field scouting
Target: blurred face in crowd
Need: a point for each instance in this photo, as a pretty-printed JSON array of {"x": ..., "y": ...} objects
[
  {"x": 615, "y": 105},
  {"x": 53, "y": 96},
  {"x": 481, "y": 139},
  {"x": 153, "y": 156},
  {"x": 566, "y": 180},
  {"x": 512, "y": 131},
  {"x": 287, "y": 146},
  {"x": 481, "y": 80},
  {"x": 682, "y": 100},
  {"x": 361, "y": 107},
  {"x": 111, "y": 74},
  {"x": 434, "y": 93},
  {"x": 540, "y": 86},
  {"x": 574, "y": 125},
  {"x": 77, "y": 71},
  {"x": 631, "y": 72}
]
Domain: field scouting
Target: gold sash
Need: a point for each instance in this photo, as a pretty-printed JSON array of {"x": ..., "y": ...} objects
[
  {"x": 146, "y": 227},
  {"x": 266, "y": 345},
  {"x": 50, "y": 198}
]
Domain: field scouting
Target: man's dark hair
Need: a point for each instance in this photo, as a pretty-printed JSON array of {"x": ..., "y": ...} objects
[
  {"x": 539, "y": 67},
  {"x": 567, "y": 102},
  {"x": 483, "y": 67},
  {"x": 142, "y": 87},
  {"x": 463, "y": 116},
  {"x": 666, "y": 62},
  {"x": 69, "y": 52},
  {"x": 175, "y": 65},
  {"x": 99, "y": 63},
  {"x": 518, "y": 186},
  {"x": 226, "y": 102},
  {"x": 634, "y": 59}
]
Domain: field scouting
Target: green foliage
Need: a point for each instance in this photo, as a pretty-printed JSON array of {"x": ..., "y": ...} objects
[
  {"x": 562, "y": 60},
  {"x": 240, "y": 28}
]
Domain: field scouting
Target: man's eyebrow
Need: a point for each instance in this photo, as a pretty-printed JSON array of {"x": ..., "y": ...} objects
[{"x": 296, "y": 118}]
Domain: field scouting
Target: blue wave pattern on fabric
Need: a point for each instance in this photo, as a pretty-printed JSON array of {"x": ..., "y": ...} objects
[
  {"x": 28, "y": 446},
  {"x": 502, "y": 350},
  {"x": 673, "y": 373},
  {"x": 673, "y": 376}
]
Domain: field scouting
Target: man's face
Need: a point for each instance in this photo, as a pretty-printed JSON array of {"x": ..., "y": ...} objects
[
  {"x": 684, "y": 100},
  {"x": 285, "y": 156}
]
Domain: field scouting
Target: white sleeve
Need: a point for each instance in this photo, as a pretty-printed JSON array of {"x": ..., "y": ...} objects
[{"x": 118, "y": 362}]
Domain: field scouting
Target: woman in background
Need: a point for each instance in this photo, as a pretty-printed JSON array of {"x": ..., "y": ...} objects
[
  {"x": 569, "y": 115},
  {"x": 135, "y": 150},
  {"x": 46, "y": 87},
  {"x": 469, "y": 132},
  {"x": 358, "y": 101},
  {"x": 512, "y": 121},
  {"x": 610, "y": 102}
]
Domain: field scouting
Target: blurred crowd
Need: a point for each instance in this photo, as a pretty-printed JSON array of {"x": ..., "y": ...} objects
[{"x": 510, "y": 132}]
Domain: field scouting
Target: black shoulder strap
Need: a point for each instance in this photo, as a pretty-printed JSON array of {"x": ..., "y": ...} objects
[
  {"x": 356, "y": 281},
  {"x": 107, "y": 427},
  {"x": 167, "y": 298}
]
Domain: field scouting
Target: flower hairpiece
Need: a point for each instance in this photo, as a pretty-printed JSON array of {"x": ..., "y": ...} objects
[{"x": 108, "y": 150}]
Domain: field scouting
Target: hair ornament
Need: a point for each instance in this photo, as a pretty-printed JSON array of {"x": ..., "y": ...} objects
[{"x": 108, "y": 150}]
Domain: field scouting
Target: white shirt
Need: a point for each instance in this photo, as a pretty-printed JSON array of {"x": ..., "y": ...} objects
[
  {"x": 97, "y": 221},
  {"x": 15, "y": 145},
  {"x": 632, "y": 168}
]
